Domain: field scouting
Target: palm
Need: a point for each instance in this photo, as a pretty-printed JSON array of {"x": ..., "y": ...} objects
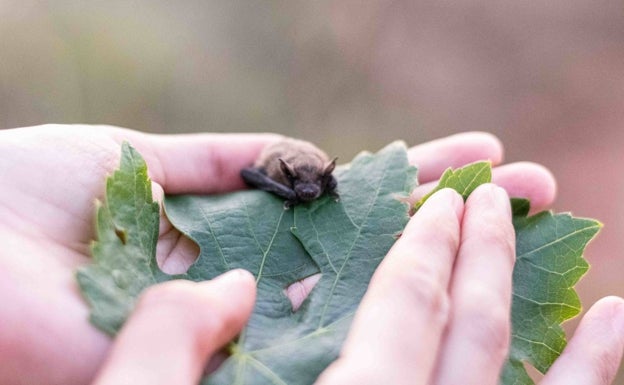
[
  {"x": 48, "y": 190},
  {"x": 50, "y": 178}
]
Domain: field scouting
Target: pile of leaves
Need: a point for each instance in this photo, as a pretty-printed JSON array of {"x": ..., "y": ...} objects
[{"x": 344, "y": 240}]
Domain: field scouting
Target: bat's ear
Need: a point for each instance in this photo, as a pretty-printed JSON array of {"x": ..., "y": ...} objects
[
  {"x": 330, "y": 166},
  {"x": 287, "y": 169}
]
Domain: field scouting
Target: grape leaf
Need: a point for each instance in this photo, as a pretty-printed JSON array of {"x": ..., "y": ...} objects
[
  {"x": 124, "y": 253},
  {"x": 463, "y": 180},
  {"x": 343, "y": 240},
  {"x": 549, "y": 262}
]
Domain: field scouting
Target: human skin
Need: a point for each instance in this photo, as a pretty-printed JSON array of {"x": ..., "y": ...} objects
[{"x": 50, "y": 177}]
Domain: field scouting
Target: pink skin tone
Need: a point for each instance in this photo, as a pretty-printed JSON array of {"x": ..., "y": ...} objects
[{"x": 46, "y": 226}]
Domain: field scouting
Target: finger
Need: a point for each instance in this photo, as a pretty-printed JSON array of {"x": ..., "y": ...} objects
[
  {"x": 176, "y": 327},
  {"x": 197, "y": 163},
  {"x": 477, "y": 338},
  {"x": 527, "y": 180},
  {"x": 432, "y": 158},
  {"x": 396, "y": 331},
  {"x": 594, "y": 354},
  {"x": 299, "y": 291},
  {"x": 175, "y": 252},
  {"x": 521, "y": 180}
]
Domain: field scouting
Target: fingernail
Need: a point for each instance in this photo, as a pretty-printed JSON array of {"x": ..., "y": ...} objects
[
  {"x": 501, "y": 199},
  {"x": 492, "y": 197},
  {"x": 452, "y": 198}
]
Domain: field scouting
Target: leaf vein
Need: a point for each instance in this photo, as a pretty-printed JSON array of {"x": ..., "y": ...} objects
[
  {"x": 558, "y": 240},
  {"x": 268, "y": 373},
  {"x": 355, "y": 240},
  {"x": 214, "y": 237},
  {"x": 563, "y": 304},
  {"x": 519, "y": 337}
]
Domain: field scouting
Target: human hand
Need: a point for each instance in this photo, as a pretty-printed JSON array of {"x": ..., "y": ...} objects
[
  {"x": 437, "y": 309},
  {"x": 50, "y": 177},
  {"x": 436, "y": 312},
  {"x": 46, "y": 226},
  {"x": 176, "y": 327}
]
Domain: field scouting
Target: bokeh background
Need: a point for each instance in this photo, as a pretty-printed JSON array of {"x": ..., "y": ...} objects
[{"x": 547, "y": 77}]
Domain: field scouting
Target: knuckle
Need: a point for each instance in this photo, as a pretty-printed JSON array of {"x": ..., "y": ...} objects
[
  {"x": 607, "y": 365},
  {"x": 489, "y": 326},
  {"x": 445, "y": 231},
  {"x": 500, "y": 237},
  {"x": 423, "y": 289},
  {"x": 504, "y": 237}
]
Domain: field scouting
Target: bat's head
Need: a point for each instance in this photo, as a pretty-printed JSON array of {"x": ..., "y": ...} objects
[{"x": 308, "y": 180}]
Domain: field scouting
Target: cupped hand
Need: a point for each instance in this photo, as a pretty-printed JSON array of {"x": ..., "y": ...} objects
[
  {"x": 438, "y": 308},
  {"x": 49, "y": 179}
]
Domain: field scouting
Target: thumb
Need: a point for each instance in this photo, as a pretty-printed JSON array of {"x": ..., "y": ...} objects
[{"x": 176, "y": 327}]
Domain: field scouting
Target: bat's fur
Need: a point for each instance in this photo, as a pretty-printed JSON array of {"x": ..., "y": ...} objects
[{"x": 293, "y": 169}]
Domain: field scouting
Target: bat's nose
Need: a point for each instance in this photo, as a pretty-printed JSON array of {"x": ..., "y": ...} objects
[{"x": 308, "y": 192}]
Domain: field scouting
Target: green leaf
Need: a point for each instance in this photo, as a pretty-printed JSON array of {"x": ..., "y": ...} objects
[
  {"x": 344, "y": 241},
  {"x": 549, "y": 262},
  {"x": 124, "y": 253},
  {"x": 463, "y": 180},
  {"x": 520, "y": 207}
]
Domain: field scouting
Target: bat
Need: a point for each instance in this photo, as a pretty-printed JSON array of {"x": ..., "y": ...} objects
[{"x": 293, "y": 169}]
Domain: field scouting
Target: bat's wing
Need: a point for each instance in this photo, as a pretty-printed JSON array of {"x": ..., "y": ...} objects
[{"x": 258, "y": 179}]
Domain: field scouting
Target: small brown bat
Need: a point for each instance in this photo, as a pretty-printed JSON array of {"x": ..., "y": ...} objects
[{"x": 293, "y": 169}]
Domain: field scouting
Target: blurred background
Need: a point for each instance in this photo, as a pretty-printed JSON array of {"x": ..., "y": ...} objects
[{"x": 545, "y": 77}]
